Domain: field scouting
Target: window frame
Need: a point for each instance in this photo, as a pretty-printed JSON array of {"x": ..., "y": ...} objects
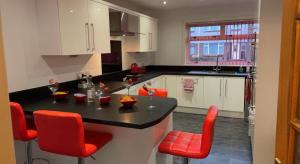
[{"x": 222, "y": 36}]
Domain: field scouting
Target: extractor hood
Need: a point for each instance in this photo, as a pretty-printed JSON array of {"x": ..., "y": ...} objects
[{"x": 123, "y": 24}]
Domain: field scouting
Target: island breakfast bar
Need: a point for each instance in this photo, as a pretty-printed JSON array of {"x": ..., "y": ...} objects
[{"x": 136, "y": 132}]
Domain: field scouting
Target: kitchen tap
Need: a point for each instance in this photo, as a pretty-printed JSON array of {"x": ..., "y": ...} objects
[{"x": 217, "y": 67}]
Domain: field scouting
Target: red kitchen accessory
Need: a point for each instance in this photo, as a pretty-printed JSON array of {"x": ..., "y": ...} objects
[{"x": 135, "y": 68}]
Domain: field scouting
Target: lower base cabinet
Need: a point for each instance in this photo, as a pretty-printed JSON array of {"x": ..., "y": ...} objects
[
  {"x": 171, "y": 85},
  {"x": 234, "y": 93},
  {"x": 226, "y": 92},
  {"x": 190, "y": 98}
]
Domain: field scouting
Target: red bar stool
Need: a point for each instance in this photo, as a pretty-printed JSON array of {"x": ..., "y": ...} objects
[
  {"x": 190, "y": 145},
  {"x": 63, "y": 133},
  {"x": 157, "y": 92},
  {"x": 23, "y": 130}
]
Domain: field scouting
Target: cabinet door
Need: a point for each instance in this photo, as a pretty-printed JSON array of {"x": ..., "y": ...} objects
[
  {"x": 153, "y": 35},
  {"x": 73, "y": 15},
  {"x": 171, "y": 86},
  {"x": 213, "y": 91},
  {"x": 99, "y": 27},
  {"x": 144, "y": 34},
  {"x": 190, "y": 98},
  {"x": 159, "y": 82},
  {"x": 234, "y": 93}
]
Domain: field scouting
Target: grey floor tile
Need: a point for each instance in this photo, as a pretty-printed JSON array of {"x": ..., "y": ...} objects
[
  {"x": 231, "y": 141},
  {"x": 235, "y": 161}
]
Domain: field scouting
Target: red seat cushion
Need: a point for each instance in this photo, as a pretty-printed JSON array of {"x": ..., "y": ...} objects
[
  {"x": 182, "y": 144},
  {"x": 191, "y": 145},
  {"x": 95, "y": 141},
  {"x": 63, "y": 133},
  {"x": 21, "y": 130}
]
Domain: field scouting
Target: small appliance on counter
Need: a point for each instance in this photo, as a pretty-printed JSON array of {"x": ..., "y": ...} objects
[
  {"x": 135, "y": 69},
  {"x": 135, "y": 72}
]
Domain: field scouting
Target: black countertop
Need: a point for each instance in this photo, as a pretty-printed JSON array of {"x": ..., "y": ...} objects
[
  {"x": 139, "y": 117},
  {"x": 118, "y": 85}
]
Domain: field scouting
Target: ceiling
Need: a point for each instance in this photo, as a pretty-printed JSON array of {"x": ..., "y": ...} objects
[{"x": 176, "y": 4}]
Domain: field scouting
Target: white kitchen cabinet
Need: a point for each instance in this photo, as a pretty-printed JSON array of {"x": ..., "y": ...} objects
[
  {"x": 147, "y": 40},
  {"x": 171, "y": 86},
  {"x": 65, "y": 27},
  {"x": 153, "y": 35},
  {"x": 73, "y": 20},
  {"x": 99, "y": 26},
  {"x": 234, "y": 93},
  {"x": 228, "y": 93},
  {"x": 144, "y": 41},
  {"x": 193, "y": 98},
  {"x": 213, "y": 91},
  {"x": 158, "y": 82}
]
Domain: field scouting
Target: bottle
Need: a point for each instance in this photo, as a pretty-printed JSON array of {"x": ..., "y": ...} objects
[{"x": 90, "y": 90}]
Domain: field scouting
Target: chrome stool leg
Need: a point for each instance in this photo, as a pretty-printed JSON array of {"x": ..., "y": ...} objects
[
  {"x": 41, "y": 159},
  {"x": 185, "y": 160},
  {"x": 28, "y": 153},
  {"x": 81, "y": 161},
  {"x": 29, "y": 159}
]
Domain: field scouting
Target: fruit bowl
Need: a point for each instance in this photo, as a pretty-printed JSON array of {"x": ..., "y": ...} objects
[
  {"x": 79, "y": 97},
  {"x": 60, "y": 95},
  {"x": 128, "y": 101},
  {"x": 105, "y": 100}
]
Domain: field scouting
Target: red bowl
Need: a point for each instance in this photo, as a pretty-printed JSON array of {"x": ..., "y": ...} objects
[
  {"x": 105, "y": 100},
  {"x": 60, "y": 95},
  {"x": 79, "y": 97}
]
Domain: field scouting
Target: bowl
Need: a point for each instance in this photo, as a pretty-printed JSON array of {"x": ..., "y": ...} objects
[
  {"x": 105, "y": 99},
  {"x": 60, "y": 95},
  {"x": 79, "y": 97},
  {"x": 128, "y": 101}
]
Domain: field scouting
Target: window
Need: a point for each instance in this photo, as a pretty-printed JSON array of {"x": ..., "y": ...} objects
[{"x": 232, "y": 40}]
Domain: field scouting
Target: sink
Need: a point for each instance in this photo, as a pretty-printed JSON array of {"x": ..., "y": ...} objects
[
  {"x": 212, "y": 72},
  {"x": 203, "y": 72}
]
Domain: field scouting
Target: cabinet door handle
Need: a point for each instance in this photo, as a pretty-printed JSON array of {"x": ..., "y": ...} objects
[
  {"x": 226, "y": 88},
  {"x": 93, "y": 35},
  {"x": 150, "y": 41},
  {"x": 87, "y": 28},
  {"x": 220, "y": 87}
]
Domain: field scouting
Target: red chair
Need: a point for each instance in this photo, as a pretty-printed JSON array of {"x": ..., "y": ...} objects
[
  {"x": 157, "y": 92},
  {"x": 63, "y": 133},
  {"x": 190, "y": 145},
  {"x": 23, "y": 130}
]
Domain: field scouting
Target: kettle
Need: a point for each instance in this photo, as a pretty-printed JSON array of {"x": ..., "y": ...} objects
[{"x": 135, "y": 68}]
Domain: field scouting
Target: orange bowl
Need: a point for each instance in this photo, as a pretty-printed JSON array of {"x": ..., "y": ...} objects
[
  {"x": 60, "y": 95},
  {"x": 128, "y": 101}
]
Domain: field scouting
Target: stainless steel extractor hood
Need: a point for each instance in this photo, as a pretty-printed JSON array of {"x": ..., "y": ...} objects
[{"x": 123, "y": 24}]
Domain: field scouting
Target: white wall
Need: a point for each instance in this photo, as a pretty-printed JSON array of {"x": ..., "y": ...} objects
[
  {"x": 267, "y": 81},
  {"x": 171, "y": 27},
  {"x": 26, "y": 68}
]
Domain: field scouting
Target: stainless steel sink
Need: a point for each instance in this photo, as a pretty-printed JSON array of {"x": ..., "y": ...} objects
[{"x": 212, "y": 72}]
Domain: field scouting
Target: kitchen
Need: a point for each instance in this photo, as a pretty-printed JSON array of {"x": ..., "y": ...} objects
[{"x": 200, "y": 57}]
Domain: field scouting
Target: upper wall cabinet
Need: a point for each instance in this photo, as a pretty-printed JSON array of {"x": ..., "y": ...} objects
[
  {"x": 148, "y": 34},
  {"x": 146, "y": 41},
  {"x": 73, "y": 27},
  {"x": 99, "y": 26}
]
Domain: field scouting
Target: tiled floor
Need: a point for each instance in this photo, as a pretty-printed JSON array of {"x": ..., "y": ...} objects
[{"x": 231, "y": 142}]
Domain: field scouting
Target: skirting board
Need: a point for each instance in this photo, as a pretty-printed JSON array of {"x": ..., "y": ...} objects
[{"x": 204, "y": 111}]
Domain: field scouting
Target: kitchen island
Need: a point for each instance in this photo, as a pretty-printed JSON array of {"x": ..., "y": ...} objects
[{"x": 137, "y": 132}]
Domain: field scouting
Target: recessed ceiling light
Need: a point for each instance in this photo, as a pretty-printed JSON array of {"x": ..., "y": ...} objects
[{"x": 164, "y": 2}]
